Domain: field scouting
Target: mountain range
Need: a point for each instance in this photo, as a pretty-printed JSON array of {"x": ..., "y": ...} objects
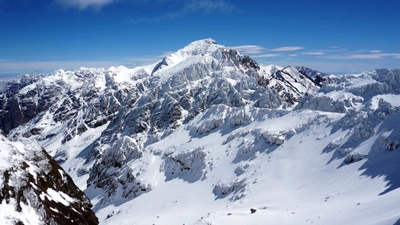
[{"x": 204, "y": 136}]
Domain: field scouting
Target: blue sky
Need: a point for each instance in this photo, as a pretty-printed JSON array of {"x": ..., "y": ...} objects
[{"x": 332, "y": 36}]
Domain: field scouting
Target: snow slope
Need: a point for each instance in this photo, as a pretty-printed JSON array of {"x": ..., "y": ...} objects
[
  {"x": 218, "y": 177},
  {"x": 207, "y": 134},
  {"x": 293, "y": 167}
]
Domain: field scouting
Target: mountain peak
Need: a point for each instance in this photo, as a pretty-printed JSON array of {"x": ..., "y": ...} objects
[
  {"x": 206, "y": 41},
  {"x": 197, "y": 48}
]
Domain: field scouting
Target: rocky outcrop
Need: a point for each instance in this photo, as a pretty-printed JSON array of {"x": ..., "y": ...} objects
[{"x": 34, "y": 182}]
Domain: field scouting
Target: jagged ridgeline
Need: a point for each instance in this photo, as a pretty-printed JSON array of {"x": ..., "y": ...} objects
[
  {"x": 203, "y": 73},
  {"x": 209, "y": 121}
]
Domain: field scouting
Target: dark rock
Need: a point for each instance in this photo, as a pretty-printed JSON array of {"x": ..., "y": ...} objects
[{"x": 31, "y": 191}]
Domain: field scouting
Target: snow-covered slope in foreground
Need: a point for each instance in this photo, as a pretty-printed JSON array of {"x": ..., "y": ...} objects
[
  {"x": 216, "y": 178},
  {"x": 320, "y": 166},
  {"x": 34, "y": 189},
  {"x": 335, "y": 164}
]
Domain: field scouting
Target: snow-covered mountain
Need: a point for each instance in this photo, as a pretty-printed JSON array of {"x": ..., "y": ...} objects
[
  {"x": 317, "y": 76},
  {"x": 36, "y": 190},
  {"x": 207, "y": 134}
]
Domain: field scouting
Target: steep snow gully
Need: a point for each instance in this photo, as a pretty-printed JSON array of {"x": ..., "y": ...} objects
[{"x": 204, "y": 136}]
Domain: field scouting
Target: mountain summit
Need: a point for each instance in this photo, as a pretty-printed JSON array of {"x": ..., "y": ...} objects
[{"x": 212, "y": 136}]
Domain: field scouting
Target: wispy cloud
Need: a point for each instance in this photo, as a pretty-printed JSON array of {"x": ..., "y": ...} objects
[
  {"x": 208, "y": 6},
  {"x": 257, "y": 51},
  {"x": 189, "y": 7},
  {"x": 314, "y": 53},
  {"x": 330, "y": 50},
  {"x": 366, "y": 56},
  {"x": 266, "y": 56},
  {"x": 83, "y": 4},
  {"x": 375, "y": 51},
  {"x": 166, "y": 53},
  {"x": 249, "y": 49},
  {"x": 286, "y": 49}
]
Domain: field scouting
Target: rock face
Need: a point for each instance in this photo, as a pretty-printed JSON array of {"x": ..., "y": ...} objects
[
  {"x": 290, "y": 83},
  {"x": 36, "y": 190},
  {"x": 317, "y": 76},
  {"x": 18, "y": 108}
]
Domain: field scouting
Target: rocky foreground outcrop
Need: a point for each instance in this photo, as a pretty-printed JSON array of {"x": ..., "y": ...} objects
[{"x": 34, "y": 189}]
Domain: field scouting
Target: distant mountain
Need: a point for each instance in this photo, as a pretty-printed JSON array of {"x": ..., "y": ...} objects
[
  {"x": 319, "y": 77},
  {"x": 310, "y": 72},
  {"x": 206, "y": 134}
]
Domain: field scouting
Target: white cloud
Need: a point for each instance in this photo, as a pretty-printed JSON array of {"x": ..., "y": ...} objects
[
  {"x": 83, "y": 4},
  {"x": 249, "y": 49},
  {"x": 189, "y": 7},
  {"x": 366, "y": 56},
  {"x": 286, "y": 49},
  {"x": 375, "y": 51},
  {"x": 266, "y": 56},
  {"x": 313, "y": 53},
  {"x": 208, "y": 6},
  {"x": 166, "y": 53}
]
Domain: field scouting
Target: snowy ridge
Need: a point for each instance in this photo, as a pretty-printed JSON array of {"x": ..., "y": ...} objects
[
  {"x": 289, "y": 82},
  {"x": 197, "y": 49},
  {"x": 355, "y": 92},
  {"x": 211, "y": 134}
]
